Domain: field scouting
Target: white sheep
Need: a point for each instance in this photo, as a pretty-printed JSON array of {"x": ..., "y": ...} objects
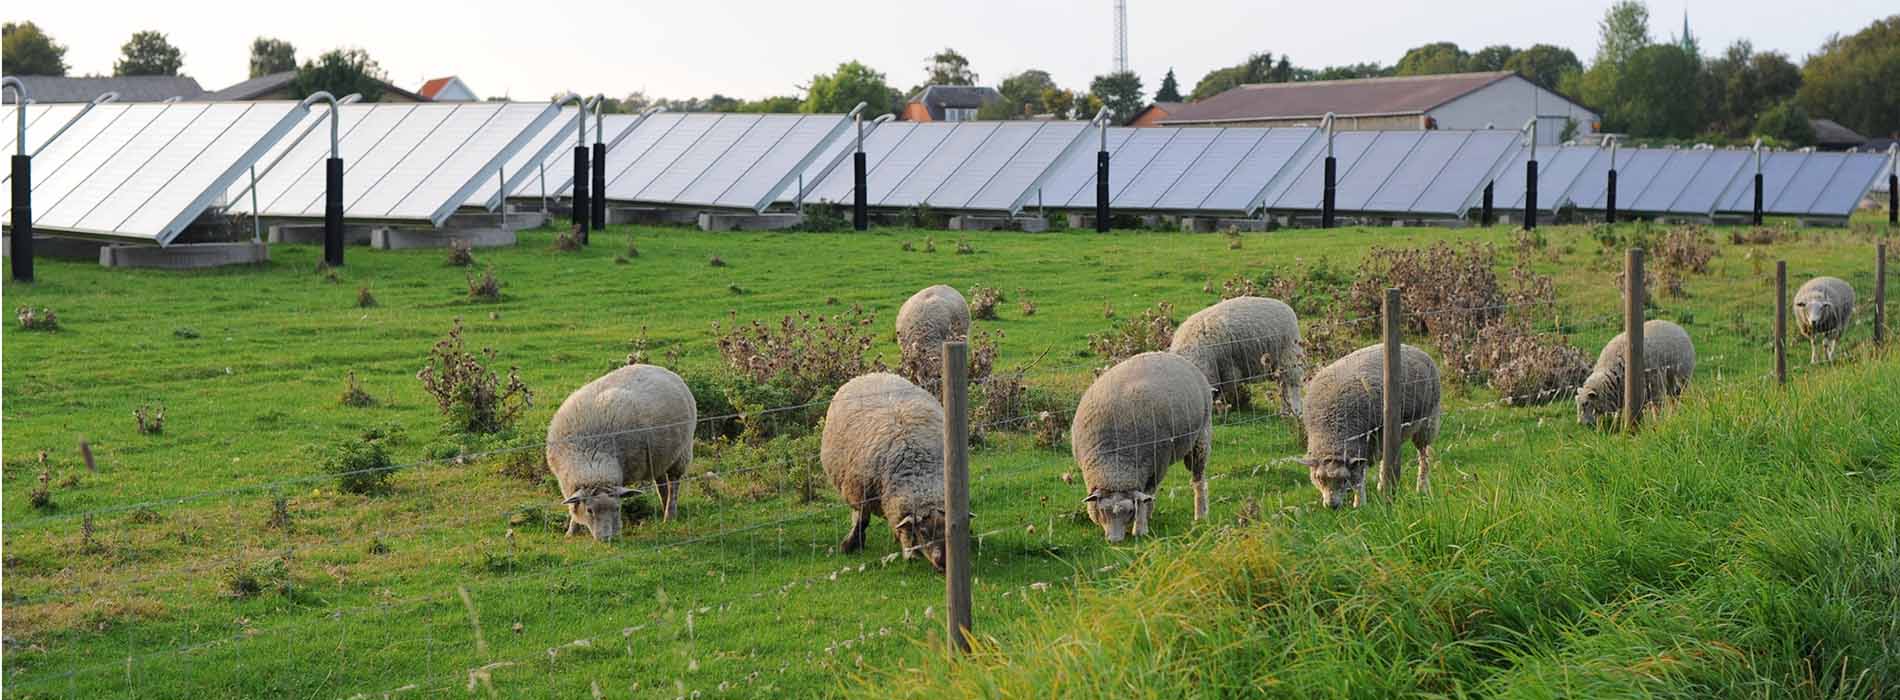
[
  {"x": 883, "y": 449},
  {"x": 631, "y": 426},
  {"x": 1344, "y": 417},
  {"x": 1823, "y": 309},
  {"x": 1244, "y": 340},
  {"x": 1139, "y": 417},
  {"x": 927, "y": 320},
  {"x": 1668, "y": 362}
]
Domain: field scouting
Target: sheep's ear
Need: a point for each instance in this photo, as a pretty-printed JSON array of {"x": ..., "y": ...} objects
[
  {"x": 1361, "y": 461},
  {"x": 571, "y": 500},
  {"x": 1092, "y": 497},
  {"x": 1307, "y": 462},
  {"x": 1142, "y": 497},
  {"x": 623, "y": 492},
  {"x": 905, "y": 523}
]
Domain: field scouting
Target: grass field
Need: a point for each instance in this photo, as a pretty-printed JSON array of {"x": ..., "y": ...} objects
[{"x": 459, "y": 578}]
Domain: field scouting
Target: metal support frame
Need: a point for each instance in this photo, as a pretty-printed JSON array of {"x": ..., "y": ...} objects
[
  {"x": 332, "y": 185},
  {"x": 1530, "y": 177},
  {"x": 1756, "y": 218},
  {"x": 1102, "y": 215},
  {"x": 582, "y": 206},
  {"x": 1485, "y": 216},
  {"x": 1893, "y": 185},
  {"x": 860, "y": 200},
  {"x": 21, "y": 254},
  {"x": 1609, "y": 215},
  {"x": 1329, "y": 192},
  {"x": 597, "y": 215}
]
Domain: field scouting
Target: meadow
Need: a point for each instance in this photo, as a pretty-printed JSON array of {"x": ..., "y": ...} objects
[{"x": 215, "y": 557}]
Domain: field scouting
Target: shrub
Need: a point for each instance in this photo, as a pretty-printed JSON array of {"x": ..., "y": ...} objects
[
  {"x": 822, "y": 217},
  {"x": 469, "y": 394},
  {"x": 1152, "y": 330},
  {"x": 1028, "y": 304},
  {"x": 247, "y": 580},
  {"x": 485, "y": 289},
  {"x": 964, "y": 248},
  {"x": 637, "y": 348},
  {"x": 1523, "y": 366},
  {"x": 907, "y": 247},
  {"x": 43, "y": 320},
  {"x": 1239, "y": 286},
  {"x": 922, "y": 216},
  {"x": 1327, "y": 339},
  {"x": 716, "y": 261},
  {"x": 364, "y": 299},
  {"x": 185, "y": 333},
  {"x": 930, "y": 244},
  {"x": 1686, "y": 249},
  {"x": 151, "y": 419},
  {"x": 807, "y": 356},
  {"x": 361, "y": 465},
  {"x": 42, "y": 495},
  {"x": 353, "y": 393},
  {"x": 461, "y": 253},
  {"x": 569, "y": 241},
  {"x": 983, "y": 301}
]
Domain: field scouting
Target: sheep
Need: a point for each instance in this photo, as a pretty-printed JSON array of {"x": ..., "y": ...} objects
[
  {"x": 883, "y": 449},
  {"x": 1138, "y": 418},
  {"x": 926, "y": 321},
  {"x": 1344, "y": 414},
  {"x": 631, "y": 426},
  {"x": 1824, "y": 308},
  {"x": 1668, "y": 359},
  {"x": 1243, "y": 340}
]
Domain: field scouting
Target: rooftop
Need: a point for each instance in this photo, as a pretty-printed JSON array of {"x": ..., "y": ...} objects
[{"x": 1361, "y": 97}]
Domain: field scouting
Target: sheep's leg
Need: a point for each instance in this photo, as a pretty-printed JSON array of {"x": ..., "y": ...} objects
[
  {"x": 1814, "y": 353},
  {"x": 1425, "y": 468},
  {"x": 1197, "y": 468},
  {"x": 854, "y": 541},
  {"x": 573, "y": 524},
  {"x": 669, "y": 497}
]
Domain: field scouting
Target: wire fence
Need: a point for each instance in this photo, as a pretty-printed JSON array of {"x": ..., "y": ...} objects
[{"x": 477, "y": 592}]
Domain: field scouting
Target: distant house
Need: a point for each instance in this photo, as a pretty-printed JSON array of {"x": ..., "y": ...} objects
[
  {"x": 1502, "y": 100},
  {"x": 1829, "y": 135},
  {"x": 948, "y": 103},
  {"x": 1154, "y": 113},
  {"x": 449, "y": 89},
  {"x": 48, "y": 89},
  {"x": 276, "y": 86}
]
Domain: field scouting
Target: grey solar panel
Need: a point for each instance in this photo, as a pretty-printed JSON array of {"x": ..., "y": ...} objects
[
  {"x": 1559, "y": 172},
  {"x": 407, "y": 157},
  {"x": 1224, "y": 153},
  {"x": 1359, "y": 180},
  {"x": 1722, "y": 170},
  {"x": 1271, "y": 162},
  {"x": 975, "y": 171},
  {"x": 1014, "y": 186},
  {"x": 443, "y": 184},
  {"x": 696, "y": 159},
  {"x": 1163, "y": 170},
  {"x": 52, "y": 156},
  {"x": 904, "y": 158},
  {"x": 777, "y": 169},
  {"x": 737, "y": 159},
  {"x": 1459, "y": 184},
  {"x": 1662, "y": 190},
  {"x": 363, "y": 127},
  {"x": 129, "y": 122},
  {"x": 94, "y": 190},
  {"x": 942, "y": 163},
  {"x": 659, "y": 156},
  {"x": 1858, "y": 174},
  {"x": 522, "y": 166},
  {"x": 1588, "y": 192},
  {"x": 1303, "y": 193},
  {"x": 1069, "y": 178},
  {"x": 1421, "y": 167},
  {"x": 1798, "y": 194},
  {"x": 880, "y": 143},
  {"x": 1777, "y": 169},
  {"x": 1127, "y": 162},
  {"x": 554, "y": 176}
]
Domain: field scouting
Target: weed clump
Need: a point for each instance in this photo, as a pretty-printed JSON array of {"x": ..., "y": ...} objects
[
  {"x": 353, "y": 393},
  {"x": 461, "y": 253},
  {"x": 983, "y": 301},
  {"x": 1028, "y": 306},
  {"x": 486, "y": 288},
  {"x": 364, "y": 299},
  {"x": 822, "y": 217},
  {"x": 361, "y": 465},
  {"x": 42, "y": 495},
  {"x": 716, "y": 261},
  {"x": 964, "y": 248},
  {"x": 42, "y": 320},
  {"x": 185, "y": 333},
  {"x": 151, "y": 419},
  {"x": 248, "y": 580},
  {"x": 467, "y": 392},
  {"x": 801, "y": 358},
  {"x": 568, "y": 241},
  {"x": 1150, "y": 331}
]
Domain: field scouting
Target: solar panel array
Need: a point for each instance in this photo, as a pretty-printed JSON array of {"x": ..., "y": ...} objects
[
  {"x": 733, "y": 161},
  {"x": 1694, "y": 182}
]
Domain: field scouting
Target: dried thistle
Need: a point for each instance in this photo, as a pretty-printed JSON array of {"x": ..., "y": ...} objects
[
  {"x": 353, "y": 393},
  {"x": 485, "y": 289},
  {"x": 467, "y": 392},
  {"x": 983, "y": 301},
  {"x": 461, "y": 253},
  {"x": 364, "y": 299},
  {"x": 151, "y": 420},
  {"x": 43, "y": 320}
]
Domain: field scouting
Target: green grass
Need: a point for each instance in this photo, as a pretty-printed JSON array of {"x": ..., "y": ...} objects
[{"x": 741, "y": 597}]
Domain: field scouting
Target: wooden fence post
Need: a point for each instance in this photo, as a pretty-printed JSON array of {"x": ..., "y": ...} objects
[
  {"x": 1634, "y": 294},
  {"x": 1880, "y": 294},
  {"x": 956, "y": 491},
  {"x": 1781, "y": 321},
  {"x": 1393, "y": 382}
]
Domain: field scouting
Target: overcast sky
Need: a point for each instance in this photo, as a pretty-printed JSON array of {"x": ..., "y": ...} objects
[{"x": 753, "y": 48}]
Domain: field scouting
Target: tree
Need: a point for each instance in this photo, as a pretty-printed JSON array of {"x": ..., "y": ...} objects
[
  {"x": 947, "y": 67},
  {"x": 1059, "y": 103},
  {"x": 1656, "y": 94},
  {"x": 1258, "y": 68},
  {"x": 340, "y": 72},
  {"x": 1544, "y": 64},
  {"x": 1086, "y": 105},
  {"x": 1347, "y": 72},
  {"x": 1852, "y": 79},
  {"x": 29, "y": 51},
  {"x": 1022, "y": 93},
  {"x": 1120, "y": 93},
  {"x": 1740, "y": 84},
  {"x": 1786, "y": 124},
  {"x": 1170, "y": 90},
  {"x": 270, "y": 56},
  {"x": 781, "y": 104},
  {"x": 1623, "y": 30},
  {"x": 1433, "y": 59},
  {"x": 1491, "y": 58},
  {"x": 148, "y": 53},
  {"x": 844, "y": 88}
]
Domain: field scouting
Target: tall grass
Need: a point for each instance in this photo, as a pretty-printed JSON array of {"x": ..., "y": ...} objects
[{"x": 1746, "y": 546}]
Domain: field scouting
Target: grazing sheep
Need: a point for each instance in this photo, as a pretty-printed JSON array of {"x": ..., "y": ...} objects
[
  {"x": 1668, "y": 359},
  {"x": 927, "y": 320},
  {"x": 1140, "y": 416},
  {"x": 1244, "y": 340},
  {"x": 1823, "y": 308},
  {"x": 883, "y": 449},
  {"x": 1344, "y": 412},
  {"x": 631, "y": 426}
]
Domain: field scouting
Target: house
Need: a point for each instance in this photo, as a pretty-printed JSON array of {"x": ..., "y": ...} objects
[
  {"x": 49, "y": 89},
  {"x": 948, "y": 103},
  {"x": 449, "y": 89},
  {"x": 1502, "y": 100},
  {"x": 276, "y": 86},
  {"x": 1154, "y": 113},
  {"x": 1829, "y": 135}
]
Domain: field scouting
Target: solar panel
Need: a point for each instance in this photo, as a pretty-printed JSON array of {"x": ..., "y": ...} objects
[
  {"x": 51, "y": 155},
  {"x": 1265, "y": 167},
  {"x": 1067, "y": 179},
  {"x": 776, "y": 169},
  {"x": 521, "y": 167},
  {"x": 975, "y": 171},
  {"x": 1858, "y": 174},
  {"x": 1704, "y": 190},
  {"x": 1163, "y": 170},
  {"x": 879, "y": 145},
  {"x": 1200, "y": 178},
  {"x": 1015, "y": 184},
  {"x": 445, "y": 178},
  {"x": 696, "y": 158},
  {"x": 1459, "y": 184},
  {"x": 1777, "y": 170},
  {"x": 1360, "y": 180},
  {"x": 150, "y": 176},
  {"x": 659, "y": 155},
  {"x": 738, "y": 158},
  {"x": 1667, "y": 184},
  {"x": 939, "y": 165},
  {"x": 1303, "y": 193},
  {"x": 299, "y": 184},
  {"x": 1559, "y": 172},
  {"x": 903, "y": 159},
  {"x": 554, "y": 177}
]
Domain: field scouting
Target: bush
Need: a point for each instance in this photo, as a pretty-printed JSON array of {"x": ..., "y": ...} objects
[
  {"x": 485, "y": 289},
  {"x": 461, "y": 253},
  {"x": 716, "y": 261},
  {"x": 467, "y": 392},
  {"x": 1527, "y": 368},
  {"x": 983, "y": 301},
  {"x": 801, "y": 358},
  {"x": 569, "y": 241},
  {"x": 43, "y": 320},
  {"x": 823, "y": 217},
  {"x": 1152, "y": 330},
  {"x": 364, "y": 299},
  {"x": 353, "y": 393},
  {"x": 247, "y": 580},
  {"x": 151, "y": 419},
  {"x": 1686, "y": 250},
  {"x": 360, "y": 465}
]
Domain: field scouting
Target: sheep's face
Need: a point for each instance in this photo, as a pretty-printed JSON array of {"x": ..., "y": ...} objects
[
  {"x": 598, "y": 509},
  {"x": 1336, "y": 477},
  {"x": 1120, "y": 513},
  {"x": 1593, "y": 404},
  {"x": 922, "y": 533},
  {"x": 1813, "y": 311}
]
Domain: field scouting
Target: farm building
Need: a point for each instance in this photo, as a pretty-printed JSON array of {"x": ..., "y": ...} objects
[
  {"x": 1154, "y": 113},
  {"x": 449, "y": 89},
  {"x": 948, "y": 103},
  {"x": 1502, "y": 100},
  {"x": 1829, "y": 135},
  {"x": 276, "y": 86},
  {"x": 54, "y": 89}
]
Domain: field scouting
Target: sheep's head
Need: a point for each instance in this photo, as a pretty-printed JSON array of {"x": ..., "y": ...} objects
[
  {"x": 1335, "y": 477},
  {"x": 598, "y": 508},
  {"x": 1812, "y": 310},
  {"x": 922, "y": 533},
  {"x": 1120, "y": 513},
  {"x": 1595, "y": 401}
]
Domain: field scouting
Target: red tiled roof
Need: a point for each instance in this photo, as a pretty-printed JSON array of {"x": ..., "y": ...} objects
[
  {"x": 429, "y": 89},
  {"x": 1361, "y": 97}
]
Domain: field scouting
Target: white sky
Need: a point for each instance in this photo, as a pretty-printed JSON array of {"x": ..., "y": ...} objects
[{"x": 754, "y": 48}]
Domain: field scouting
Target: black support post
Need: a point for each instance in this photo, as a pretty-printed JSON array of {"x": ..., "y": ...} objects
[
  {"x": 1101, "y": 192},
  {"x": 1326, "y": 197},
  {"x": 583, "y": 206},
  {"x": 1530, "y": 195},
  {"x": 598, "y": 214},
  {"x": 333, "y": 212},
  {"x": 1757, "y": 217},
  {"x": 1609, "y": 215},
  {"x": 1485, "y": 216},
  {"x": 22, "y": 252},
  {"x": 1893, "y": 199},
  {"x": 860, "y": 202}
]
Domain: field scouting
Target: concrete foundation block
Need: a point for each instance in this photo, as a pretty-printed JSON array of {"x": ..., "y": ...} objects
[
  {"x": 51, "y": 247},
  {"x": 648, "y": 216},
  {"x": 1199, "y": 224},
  {"x": 1030, "y": 224},
  {"x": 312, "y": 234},
  {"x": 184, "y": 256},
  {"x": 748, "y": 222},
  {"x": 518, "y": 220},
  {"x": 1082, "y": 221},
  {"x": 391, "y": 238}
]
